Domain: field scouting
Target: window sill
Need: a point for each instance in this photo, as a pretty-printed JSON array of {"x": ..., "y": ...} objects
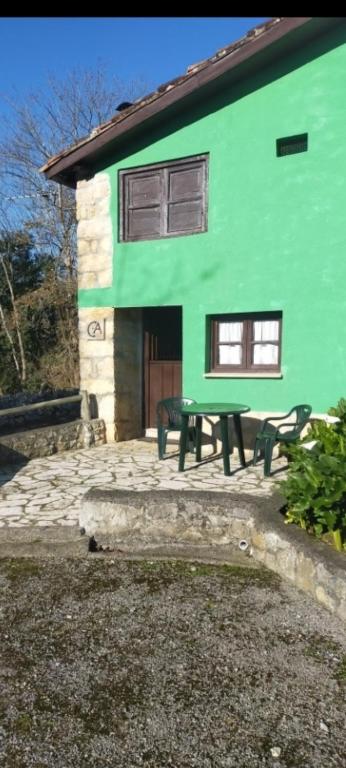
[{"x": 244, "y": 375}]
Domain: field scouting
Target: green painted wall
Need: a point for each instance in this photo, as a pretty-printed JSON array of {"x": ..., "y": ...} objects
[{"x": 276, "y": 235}]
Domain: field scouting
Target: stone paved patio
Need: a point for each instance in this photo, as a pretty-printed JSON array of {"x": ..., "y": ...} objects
[{"x": 49, "y": 491}]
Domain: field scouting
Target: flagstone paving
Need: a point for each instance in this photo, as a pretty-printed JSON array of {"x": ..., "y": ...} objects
[{"x": 49, "y": 491}]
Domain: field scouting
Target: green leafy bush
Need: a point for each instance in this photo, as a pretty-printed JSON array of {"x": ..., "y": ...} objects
[{"x": 315, "y": 488}]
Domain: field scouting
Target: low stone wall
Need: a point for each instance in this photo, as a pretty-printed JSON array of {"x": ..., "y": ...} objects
[
  {"x": 45, "y": 441},
  {"x": 313, "y": 566},
  {"x": 141, "y": 517},
  {"x": 147, "y": 519},
  {"x": 57, "y": 414}
]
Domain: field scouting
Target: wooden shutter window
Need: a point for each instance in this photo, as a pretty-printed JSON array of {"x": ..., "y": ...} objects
[
  {"x": 143, "y": 222},
  {"x": 186, "y": 184},
  {"x": 185, "y": 200},
  {"x": 143, "y": 205},
  {"x": 164, "y": 200}
]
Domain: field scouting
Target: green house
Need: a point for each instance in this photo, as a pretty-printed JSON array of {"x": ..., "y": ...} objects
[{"x": 212, "y": 232}]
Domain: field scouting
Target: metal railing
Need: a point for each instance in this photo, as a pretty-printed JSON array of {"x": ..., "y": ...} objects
[{"x": 82, "y": 398}]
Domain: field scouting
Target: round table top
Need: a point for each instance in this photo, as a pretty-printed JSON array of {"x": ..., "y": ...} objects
[{"x": 215, "y": 409}]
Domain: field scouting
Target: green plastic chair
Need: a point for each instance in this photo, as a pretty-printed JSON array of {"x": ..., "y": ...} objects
[
  {"x": 269, "y": 434},
  {"x": 169, "y": 419}
]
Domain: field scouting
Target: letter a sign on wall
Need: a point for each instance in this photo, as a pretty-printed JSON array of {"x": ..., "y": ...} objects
[{"x": 96, "y": 330}]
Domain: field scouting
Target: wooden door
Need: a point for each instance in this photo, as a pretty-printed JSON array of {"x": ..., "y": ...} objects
[
  {"x": 164, "y": 380},
  {"x": 162, "y": 358}
]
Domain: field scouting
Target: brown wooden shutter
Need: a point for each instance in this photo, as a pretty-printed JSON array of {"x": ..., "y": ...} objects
[
  {"x": 143, "y": 205},
  {"x": 164, "y": 199},
  {"x": 185, "y": 204}
]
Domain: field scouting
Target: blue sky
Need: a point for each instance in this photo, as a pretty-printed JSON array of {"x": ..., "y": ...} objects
[{"x": 150, "y": 48}]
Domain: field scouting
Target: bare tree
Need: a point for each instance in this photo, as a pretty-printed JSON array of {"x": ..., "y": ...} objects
[
  {"x": 46, "y": 122},
  {"x": 17, "y": 329},
  {"x": 35, "y": 129},
  {"x": 10, "y": 321}
]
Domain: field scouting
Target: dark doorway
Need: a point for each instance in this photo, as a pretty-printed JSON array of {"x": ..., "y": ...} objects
[{"x": 162, "y": 334}]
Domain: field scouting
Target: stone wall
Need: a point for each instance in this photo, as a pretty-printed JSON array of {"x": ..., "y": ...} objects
[
  {"x": 46, "y": 441},
  {"x": 105, "y": 335},
  {"x": 95, "y": 270},
  {"x": 94, "y": 232},
  {"x": 111, "y": 368},
  {"x": 96, "y": 354},
  {"x": 56, "y": 414},
  {"x": 311, "y": 565},
  {"x": 147, "y": 519}
]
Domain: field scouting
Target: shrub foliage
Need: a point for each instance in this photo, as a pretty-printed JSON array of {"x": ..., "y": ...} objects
[{"x": 315, "y": 488}]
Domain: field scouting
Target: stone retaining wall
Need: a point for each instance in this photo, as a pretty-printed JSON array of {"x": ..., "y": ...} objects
[
  {"x": 41, "y": 417},
  {"x": 45, "y": 441},
  {"x": 200, "y": 517},
  {"x": 313, "y": 566},
  {"x": 147, "y": 519}
]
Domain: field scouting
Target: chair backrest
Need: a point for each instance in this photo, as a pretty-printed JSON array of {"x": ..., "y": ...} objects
[
  {"x": 172, "y": 407},
  {"x": 302, "y": 415}
]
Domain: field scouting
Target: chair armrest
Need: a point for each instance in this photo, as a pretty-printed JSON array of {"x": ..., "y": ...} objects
[
  {"x": 289, "y": 424},
  {"x": 268, "y": 421},
  {"x": 275, "y": 418}
]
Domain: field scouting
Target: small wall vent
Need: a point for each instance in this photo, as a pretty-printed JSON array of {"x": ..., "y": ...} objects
[{"x": 291, "y": 145}]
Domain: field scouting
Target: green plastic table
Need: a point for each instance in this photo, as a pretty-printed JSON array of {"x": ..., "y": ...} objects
[{"x": 223, "y": 410}]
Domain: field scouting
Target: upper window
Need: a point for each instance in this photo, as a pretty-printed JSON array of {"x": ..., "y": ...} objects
[
  {"x": 246, "y": 343},
  {"x": 164, "y": 200}
]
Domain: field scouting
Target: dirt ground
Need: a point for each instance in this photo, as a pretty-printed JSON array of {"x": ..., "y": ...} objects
[{"x": 107, "y": 662}]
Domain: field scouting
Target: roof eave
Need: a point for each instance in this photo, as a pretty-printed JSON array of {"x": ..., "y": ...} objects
[{"x": 75, "y": 163}]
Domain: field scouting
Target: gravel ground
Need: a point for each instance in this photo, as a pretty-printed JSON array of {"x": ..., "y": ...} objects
[{"x": 120, "y": 663}]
